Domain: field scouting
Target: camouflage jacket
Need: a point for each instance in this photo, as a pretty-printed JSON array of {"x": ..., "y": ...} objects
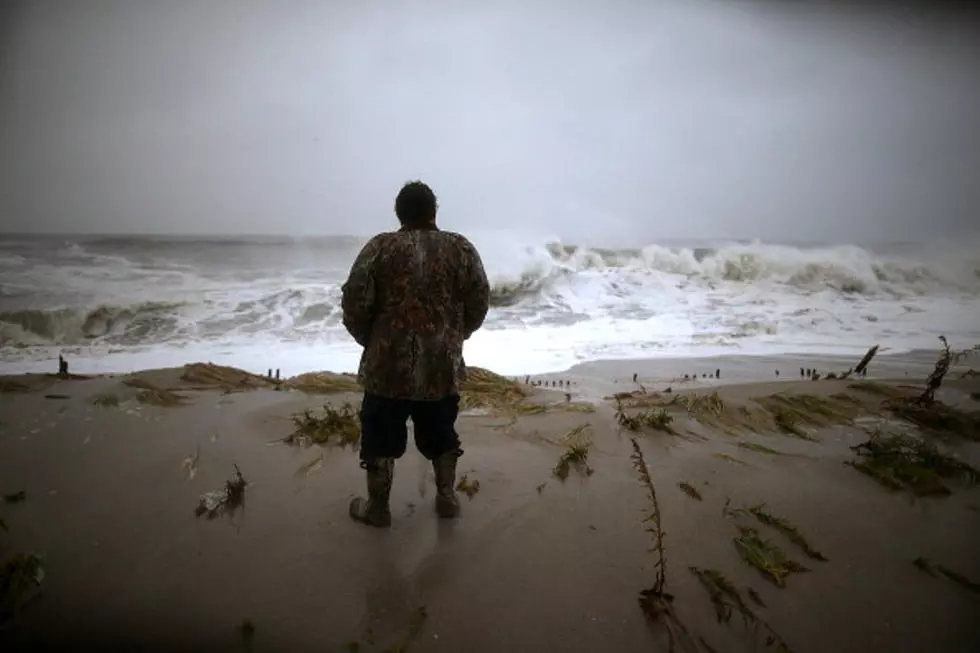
[{"x": 411, "y": 299}]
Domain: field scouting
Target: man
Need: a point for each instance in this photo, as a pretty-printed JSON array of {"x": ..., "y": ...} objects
[{"x": 411, "y": 299}]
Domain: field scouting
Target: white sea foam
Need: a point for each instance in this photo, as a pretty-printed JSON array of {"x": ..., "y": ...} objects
[{"x": 122, "y": 304}]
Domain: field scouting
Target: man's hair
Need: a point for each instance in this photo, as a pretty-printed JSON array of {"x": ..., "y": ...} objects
[{"x": 416, "y": 204}]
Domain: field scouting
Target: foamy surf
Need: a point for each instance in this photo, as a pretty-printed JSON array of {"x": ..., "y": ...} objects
[{"x": 118, "y": 304}]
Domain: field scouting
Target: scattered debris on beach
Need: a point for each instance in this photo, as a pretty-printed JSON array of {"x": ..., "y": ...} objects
[
  {"x": 467, "y": 486},
  {"x": 780, "y": 524},
  {"x": 727, "y": 601},
  {"x": 937, "y": 570},
  {"x": 529, "y": 409},
  {"x": 690, "y": 490},
  {"x": 655, "y": 418},
  {"x": 655, "y": 601},
  {"x": 224, "y": 501},
  {"x": 339, "y": 426},
  {"x": 189, "y": 464},
  {"x": 938, "y": 418},
  {"x": 577, "y": 443},
  {"x": 768, "y": 558},
  {"x": 899, "y": 461},
  {"x": 791, "y": 412}
]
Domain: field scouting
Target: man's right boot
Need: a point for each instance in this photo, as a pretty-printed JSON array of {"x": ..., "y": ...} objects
[
  {"x": 374, "y": 510},
  {"x": 447, "y": 504}
]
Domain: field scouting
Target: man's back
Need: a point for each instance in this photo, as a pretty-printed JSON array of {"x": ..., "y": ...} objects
[{"x": 412, "y": 298}]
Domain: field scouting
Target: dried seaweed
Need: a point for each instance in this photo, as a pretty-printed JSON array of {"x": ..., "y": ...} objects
[
  {"x": 728, "y": 601},
  {"x": 690, "y": 490},
  {"x": 903, "y": 462},
  {"x": 339, "y": 426},
  {"x": 765, "y": 556}
]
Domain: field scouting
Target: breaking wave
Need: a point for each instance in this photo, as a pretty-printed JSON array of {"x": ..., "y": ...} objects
[
  {"x": 127, "y": 293},
  {"x": 846, "y": 269}
]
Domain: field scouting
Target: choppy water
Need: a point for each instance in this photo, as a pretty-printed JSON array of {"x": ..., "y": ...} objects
[{"x": 120, "y": 303}]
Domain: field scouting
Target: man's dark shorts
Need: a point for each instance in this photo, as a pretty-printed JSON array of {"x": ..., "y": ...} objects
[{"x": 384, "y": 428}]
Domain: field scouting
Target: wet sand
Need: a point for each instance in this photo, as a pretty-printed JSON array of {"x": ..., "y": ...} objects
[{"x": 534, "y": 564}]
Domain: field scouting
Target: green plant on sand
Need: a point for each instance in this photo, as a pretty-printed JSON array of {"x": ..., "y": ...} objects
[
  {"x": 654, "y": 418},
  {"x": 791, "y": 411},
  {"x": 937, "y": 417},
  {"x": 340, "y": 426},
  {"x": 765, "y": 556},
  {"x": 467, "y": 486},
  {"x": 903, "y": 462},
  {"x": 727, "y": 601},
  {"x": 655, "y": 601},
  {"x": 785, "y": 527},
  {"x": 224, "y": 501},
  {"x": 576, "y": 453}
]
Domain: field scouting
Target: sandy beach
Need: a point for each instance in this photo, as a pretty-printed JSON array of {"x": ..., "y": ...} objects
[{"x": 112, "y": 469}]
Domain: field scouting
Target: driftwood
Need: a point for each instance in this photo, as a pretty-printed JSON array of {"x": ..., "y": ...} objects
[
  {"x": 860, "y": 369},
  {"x": 935, "y": 379}
]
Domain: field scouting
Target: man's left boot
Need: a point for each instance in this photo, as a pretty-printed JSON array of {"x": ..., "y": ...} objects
[
  {"x": 374, "y": 510},
  {"x": 447, "y": 503}
]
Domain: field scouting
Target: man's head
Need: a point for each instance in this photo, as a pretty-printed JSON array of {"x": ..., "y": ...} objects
[{"x": 416, "y": 205}]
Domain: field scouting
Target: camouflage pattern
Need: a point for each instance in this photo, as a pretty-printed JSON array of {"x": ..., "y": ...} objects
[{"x": 411, "y": 299}]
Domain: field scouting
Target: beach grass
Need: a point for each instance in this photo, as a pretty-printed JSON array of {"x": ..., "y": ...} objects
[
  {"x": 727, "y": 601},
  {"x": 485, "y": 389},
  {"x": 770, "y": 560},
  {"x": 340, "y": 426},
  {"x": 575, "y": 455},
  {"x": 899, "y": 461}
]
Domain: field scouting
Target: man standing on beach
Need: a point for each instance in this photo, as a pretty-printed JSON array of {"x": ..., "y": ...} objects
[{"x": 411, "y": 299}]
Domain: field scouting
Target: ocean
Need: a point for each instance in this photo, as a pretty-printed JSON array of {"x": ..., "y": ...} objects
[{"x": 119, "y": 303}]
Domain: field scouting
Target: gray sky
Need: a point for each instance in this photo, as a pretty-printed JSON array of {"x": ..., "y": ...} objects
[{"x": 640, "y": 120}]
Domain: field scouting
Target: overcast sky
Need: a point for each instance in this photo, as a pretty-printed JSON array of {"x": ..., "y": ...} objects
[{"x": 640, "y": 120}]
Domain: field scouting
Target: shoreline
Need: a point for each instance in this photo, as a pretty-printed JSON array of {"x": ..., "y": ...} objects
[{"x": 653, "y": 368}]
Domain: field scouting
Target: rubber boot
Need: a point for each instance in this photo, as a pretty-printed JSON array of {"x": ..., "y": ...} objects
[
  {"x": 447, "y": 504},
  {"x": 374, "y": 510}
]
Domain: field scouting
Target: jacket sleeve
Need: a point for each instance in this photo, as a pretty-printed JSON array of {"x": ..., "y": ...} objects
[
  {"x": 358, "y": 293},
  {"x": 476, "y": 290}
]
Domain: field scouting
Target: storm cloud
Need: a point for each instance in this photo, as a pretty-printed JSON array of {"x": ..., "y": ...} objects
[{"x": 584, "y": 120}]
